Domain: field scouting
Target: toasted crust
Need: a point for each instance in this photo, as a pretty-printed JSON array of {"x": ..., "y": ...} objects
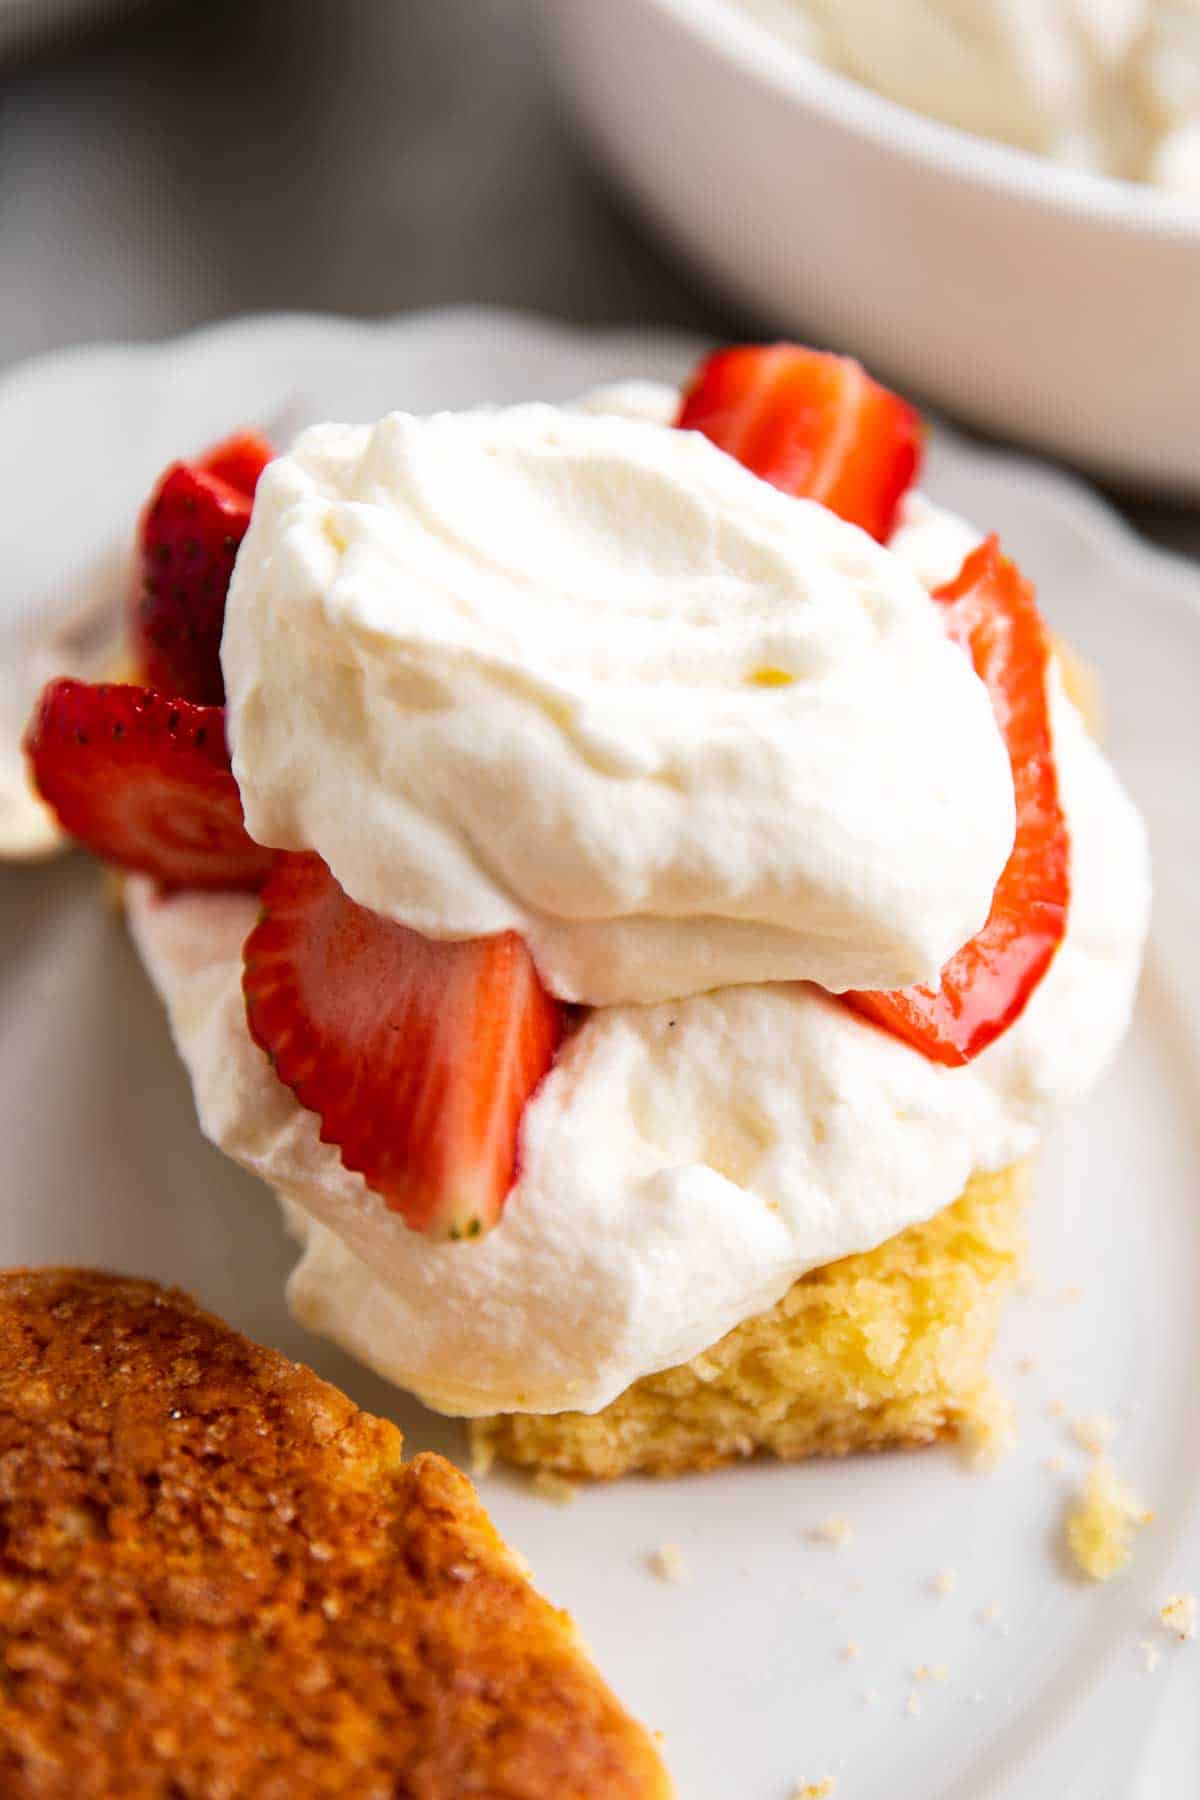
[
  {"x": 218, "y": 1580},
  {"x": 881, "y": 1350}
]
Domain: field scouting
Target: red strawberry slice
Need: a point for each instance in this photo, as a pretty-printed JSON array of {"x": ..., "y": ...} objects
[
  {"x": 812, "y": 424},
  {"x": 238, "y": 460},
  {"x": 144, "y": 781},
  {"x": 189, "y": 537},
  {"x": 419, "y": 1057},
  {"x": 991, "y": 611}
]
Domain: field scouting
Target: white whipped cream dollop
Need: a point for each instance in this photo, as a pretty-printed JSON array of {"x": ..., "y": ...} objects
[
  {"x": 684, "y": 1161},
  {"x": 587, "y": 678},
  {"x": 1107, "y": 85}
]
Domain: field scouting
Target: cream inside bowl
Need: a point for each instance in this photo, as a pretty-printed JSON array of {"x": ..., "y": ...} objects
[
  {"x": 1045, "y": 302},
  {"x": 1110, "y": 86}
]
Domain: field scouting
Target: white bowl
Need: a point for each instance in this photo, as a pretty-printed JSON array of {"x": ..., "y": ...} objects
[{"x": 1053, "y": 306}]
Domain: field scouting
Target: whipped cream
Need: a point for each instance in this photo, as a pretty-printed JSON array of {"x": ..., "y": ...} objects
[
  {"x": 684, "y": 1161},
  {"x": 1107, "y": 85},
  {"x": 587, "y": 678}
]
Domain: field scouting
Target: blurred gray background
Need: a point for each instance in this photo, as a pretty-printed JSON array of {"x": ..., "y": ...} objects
[{"x": 181, "y": 160}]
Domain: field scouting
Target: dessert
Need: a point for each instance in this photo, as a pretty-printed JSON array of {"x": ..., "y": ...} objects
[
  {"x": 695, "y": 891},
  {"x": 1107, "y": 85},
  {"x": 221, "y": 1578}
]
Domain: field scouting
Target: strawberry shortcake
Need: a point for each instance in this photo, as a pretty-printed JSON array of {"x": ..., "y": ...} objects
[{"x": 632, "y": 878}]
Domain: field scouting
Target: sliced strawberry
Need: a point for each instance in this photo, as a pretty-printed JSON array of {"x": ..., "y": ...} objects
[
  {"x": 238, "y": 460},
  {"x": 144, "y": 781},
  {"x": 813, "y": 424},
  {"x": 991, "y": 611},
  {"x": 419, "y": 1057},
  {"x": 189, "y": 537}
]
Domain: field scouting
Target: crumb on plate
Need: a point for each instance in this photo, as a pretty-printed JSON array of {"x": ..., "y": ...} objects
[
  {"x": 1178, "y": 1614},
  {"x": 554, "y": 1487},
  {"x": 668, "y": 1564},
  {"x": 836, "y": 1530},
  {"x": 483, "y": 1457},
  {"x": 990, "y": 1431},
  {"x": 1094, "y": 1432},
  {"x": 1100, "y": 1531}
]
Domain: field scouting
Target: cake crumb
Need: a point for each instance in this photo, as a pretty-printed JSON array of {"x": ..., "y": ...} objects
[
  {"x": 1069, "y": 1295},
  {"x": 836, "y": 1530},
  {"x": 554, "y": 1487},
  {"x": 945, "y": 1581},
  {"x": 817, "y": 1790},
  {"x": 668, "y": 1564},
  {"x": 483, "y": 1456},
  {"x": 1026, "y": 1365},
  {"x": 1053, "y": 1464},
  {"x": 1178, "y": 1614},
  {"x": 1094, "y": 1432},
  {"x": 989, "y": 1430},
  {"x": 1100, "y": 1531},
  {"x": 1055, "y": 1409},
  {"x": 1150, "y": 1654},
  {"x": 931, "y": 1672},
  {"x": 912, "y": 1706},
  {"x": 991, "y": 1614},
  {"x": 851, "y": 1652}
]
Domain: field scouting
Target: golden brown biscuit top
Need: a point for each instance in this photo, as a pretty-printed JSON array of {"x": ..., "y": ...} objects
[{"x": 218, "y": 1580}]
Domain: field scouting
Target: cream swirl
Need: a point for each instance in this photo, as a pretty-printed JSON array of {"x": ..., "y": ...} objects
[{"x": 587, "y": 678}]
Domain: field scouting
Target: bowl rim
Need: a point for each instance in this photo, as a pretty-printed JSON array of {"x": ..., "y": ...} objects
[{"x": 735, "y": 33}]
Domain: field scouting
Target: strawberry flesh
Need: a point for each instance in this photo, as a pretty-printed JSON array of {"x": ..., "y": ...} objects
[
  {"x": 991, "y": 611},
  {"x": 144, "y": 781},
  {"x": 238, "y": 461},
  {"x": 418, "y": 1056},
  {"x": 811, "y": 423},
  {"x": 190, "y": 531}
]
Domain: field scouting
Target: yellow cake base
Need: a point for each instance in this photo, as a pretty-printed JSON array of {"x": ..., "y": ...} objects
[{"x": 884, "y": 1349}]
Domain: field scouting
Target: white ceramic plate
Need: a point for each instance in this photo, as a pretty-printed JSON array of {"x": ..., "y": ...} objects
[{"x": 741, "y": 1667}]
